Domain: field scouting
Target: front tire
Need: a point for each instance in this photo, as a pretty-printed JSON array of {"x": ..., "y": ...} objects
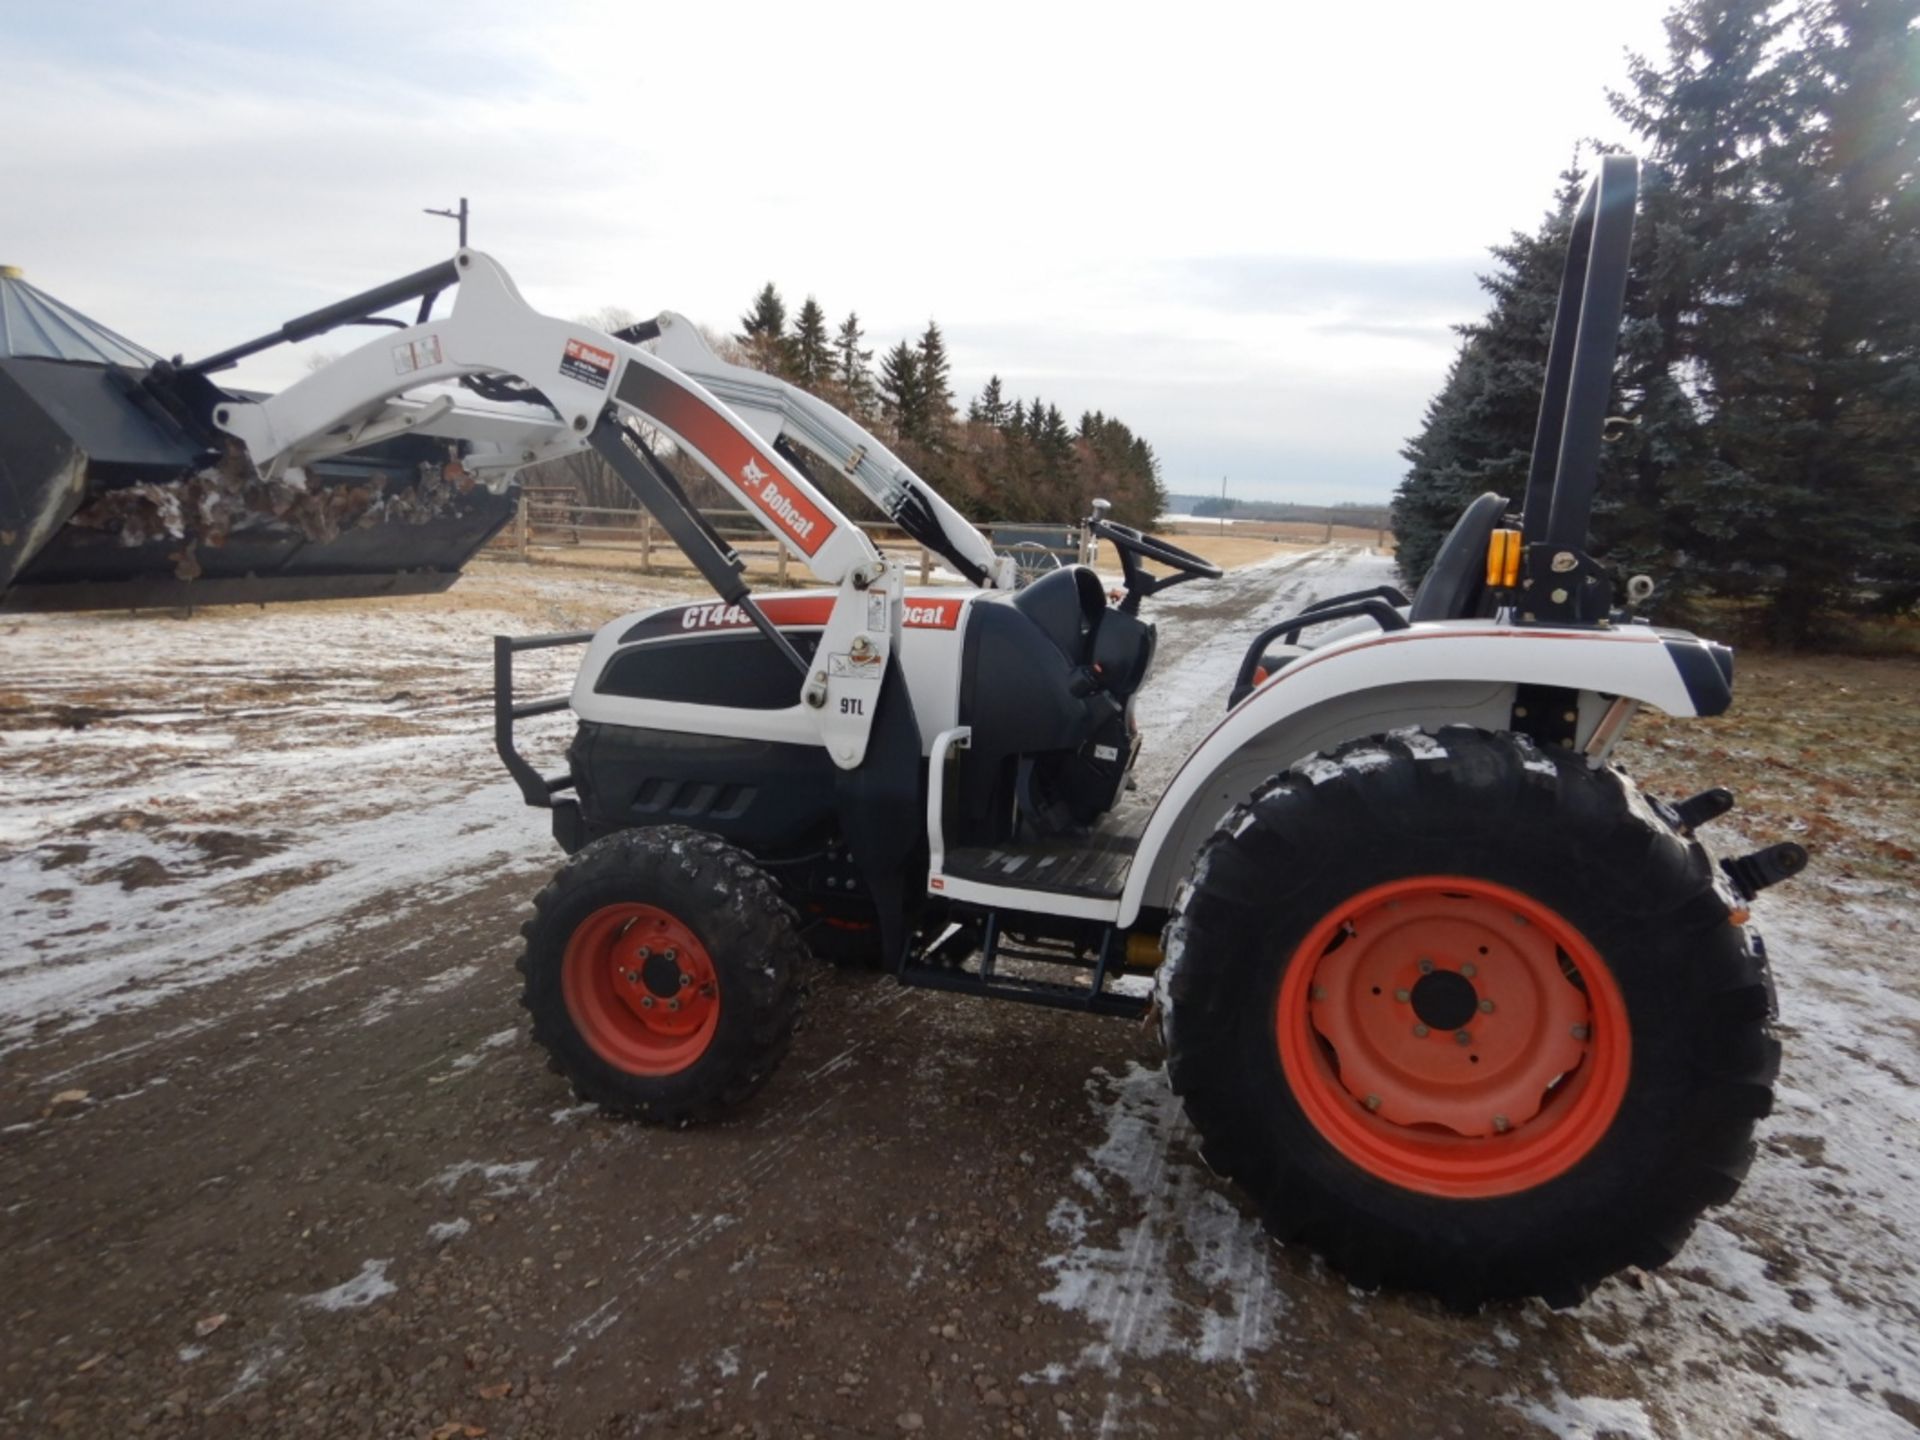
[
  {"x": 662, "y": 972},
  {"x": 1465, "y": 1016}
]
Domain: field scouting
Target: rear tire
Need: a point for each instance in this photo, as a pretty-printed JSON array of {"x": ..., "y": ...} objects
[
  {"x": 662, "y": 972},
  {"x": 1465, "y": 1016}
]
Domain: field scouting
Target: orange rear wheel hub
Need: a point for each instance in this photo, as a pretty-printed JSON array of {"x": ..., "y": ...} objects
[
  {"x": 1453, "y": 1036},
  {"x": 641, "y": 989}
]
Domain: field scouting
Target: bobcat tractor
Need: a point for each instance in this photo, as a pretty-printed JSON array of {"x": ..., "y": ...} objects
[{"x": 1444, "y": 994}]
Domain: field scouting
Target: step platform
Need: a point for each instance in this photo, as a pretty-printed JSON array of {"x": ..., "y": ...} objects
[{"x": 1091, "y": 866}]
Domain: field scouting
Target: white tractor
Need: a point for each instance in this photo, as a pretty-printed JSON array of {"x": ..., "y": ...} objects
[{"x": 1443, "y": 992}]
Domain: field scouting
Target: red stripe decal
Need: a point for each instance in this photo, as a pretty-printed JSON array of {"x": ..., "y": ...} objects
[
  {"x": 800, "y": 611},
  {"x": 932, "y": 614},
  {"x": 750, "y": 470}
]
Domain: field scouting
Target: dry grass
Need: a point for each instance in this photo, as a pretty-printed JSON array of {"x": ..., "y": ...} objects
[{"x": 1819, "y": 748}]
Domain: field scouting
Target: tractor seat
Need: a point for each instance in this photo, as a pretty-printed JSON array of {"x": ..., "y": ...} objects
[
  {"x": 1066, "y": 606},
  {"x": 1456, "y": 582}
]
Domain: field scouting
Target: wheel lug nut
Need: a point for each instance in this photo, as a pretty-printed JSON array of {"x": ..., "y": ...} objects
[
  {"x": 1486, "y": 1007},
  {"x": 1403, "y": 996},
  {"x": 1318, "y": 992},
  {"x": 1469, "y": 970},
  {"x": 1464, "y": 1037},
  {"x": 685, "y": 980},
  {"x": 643, "y": 953},
  {"x": 1426, "y": 965},
  {"x": 1373, "y": 1102},
  {"x": 671, "y": 954},
  {"x": 673, "y": 1004},
  {"x": 1501, "y": 1125},
  {"x": 1581, "y": 1032},
  {"x": 646, "y": 1002},
  {"x": 1420, "y": 1032}
]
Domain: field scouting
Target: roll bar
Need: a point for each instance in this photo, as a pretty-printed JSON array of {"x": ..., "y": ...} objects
[{"x": 1579, "y": 381}]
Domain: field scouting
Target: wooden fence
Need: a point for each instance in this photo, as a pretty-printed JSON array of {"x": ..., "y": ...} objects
[{"x": 552, "y": 518}]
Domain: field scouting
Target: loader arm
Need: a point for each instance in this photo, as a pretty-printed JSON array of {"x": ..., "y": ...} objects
[
  {"x": 780, "y": 411},
  {"x": 580, "y": 372},
  {"x": 602, "y": 391}
]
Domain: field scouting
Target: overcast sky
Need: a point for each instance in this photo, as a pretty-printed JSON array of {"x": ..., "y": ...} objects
[{"x": 1242, "y": 229}]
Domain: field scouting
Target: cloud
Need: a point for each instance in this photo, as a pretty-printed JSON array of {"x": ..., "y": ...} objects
[{"x": 1212, "y": 240}]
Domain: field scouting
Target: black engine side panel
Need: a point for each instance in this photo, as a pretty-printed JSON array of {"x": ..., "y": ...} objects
[{"x": 763, "y": 796}]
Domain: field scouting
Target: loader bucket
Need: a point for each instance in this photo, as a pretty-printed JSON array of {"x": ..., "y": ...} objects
[{"x": 112, "y": 497}]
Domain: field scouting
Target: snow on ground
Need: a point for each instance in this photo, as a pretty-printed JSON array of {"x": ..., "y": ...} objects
[
  {"x": 362, "y": 1290},
  {"x": 189, "y": 799}
]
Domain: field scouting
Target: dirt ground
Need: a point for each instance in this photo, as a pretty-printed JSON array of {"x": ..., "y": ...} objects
[{"x": 277, "y": 1159}]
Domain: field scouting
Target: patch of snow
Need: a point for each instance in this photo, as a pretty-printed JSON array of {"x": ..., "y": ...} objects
[
  {"x": 1317, "y": 768},
  {"x": 1419, "y": 743},
  {"x": 727, "y": 1362},
  {"x": 492, "y": 1042},
  {"x": 234, "y": 807},
  {"x": 504, "y": 1178},
  {"x": 443, "y": 1230},
  {"x": 1129, "y": 1287},
  {"x": 369, "y": 1285},
  {"x": 1359, "y": 762},
  {"x": 1583, "y": 1417}
]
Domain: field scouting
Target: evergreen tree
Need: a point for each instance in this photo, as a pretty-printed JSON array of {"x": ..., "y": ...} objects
[
  {"x": 850, "y": 365},
  {"x": 813, "y": 361},
  {"x": 935, "y": 383},
  {"x": 1829, "y": 425},
  {"x": 990, "y": 406},
  {"x": 903, "y": 396},
  {"x": 1785, "y": 185},
  {"x": 1706, "y": 112},
  {"x": 763, "y": 331}
]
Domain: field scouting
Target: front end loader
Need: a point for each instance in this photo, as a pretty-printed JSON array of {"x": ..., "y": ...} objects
[
  {"x": 1448, "y": 997},
  {"x": 116, "y": 491}
]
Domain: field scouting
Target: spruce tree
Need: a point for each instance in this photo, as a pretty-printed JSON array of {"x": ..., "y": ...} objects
[
  {"x": 1706, "y": 112},
  {"x": 990, "y": 406},
  {"x": 850, "y": 365},
  {"x": 903, "y": 396},
  {"x": 813, "y": 361},
  {"x": 763, "y": 331},
  {"x": 935, "y": 382},
  {"x": 1783, "y": 208}
]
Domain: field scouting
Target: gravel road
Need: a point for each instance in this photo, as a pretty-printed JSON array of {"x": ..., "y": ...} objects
[{"x": 277, "y": 1159}]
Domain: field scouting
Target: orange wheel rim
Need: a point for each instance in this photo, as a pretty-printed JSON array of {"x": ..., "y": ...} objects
[
  {"x": 1453, "y": 1036},
  {"x": 641, "y": 989}
]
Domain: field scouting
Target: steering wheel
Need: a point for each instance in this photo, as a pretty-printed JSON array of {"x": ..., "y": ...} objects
[{"x": 1134, "y": 546}]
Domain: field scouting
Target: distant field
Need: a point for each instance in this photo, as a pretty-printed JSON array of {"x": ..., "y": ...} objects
[
  {"x": 1302, "y": 531},
  {"x": 1230, "y": 547}
]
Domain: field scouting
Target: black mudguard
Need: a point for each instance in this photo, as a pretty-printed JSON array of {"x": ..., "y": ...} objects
[{"x": 882, "y": 811}]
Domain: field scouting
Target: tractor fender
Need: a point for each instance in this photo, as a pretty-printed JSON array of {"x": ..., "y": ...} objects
[{"x": 1424, "y": 676}]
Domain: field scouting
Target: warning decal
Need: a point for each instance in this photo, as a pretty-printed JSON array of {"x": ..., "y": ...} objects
[
  {"x": 588, "y": 364},
  {"x": 416, "y": 355}
]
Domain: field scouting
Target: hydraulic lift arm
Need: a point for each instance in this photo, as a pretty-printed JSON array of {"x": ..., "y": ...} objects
[
  {"x": 783, "y": 412},
  {"x": 601, "y": 391}
]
